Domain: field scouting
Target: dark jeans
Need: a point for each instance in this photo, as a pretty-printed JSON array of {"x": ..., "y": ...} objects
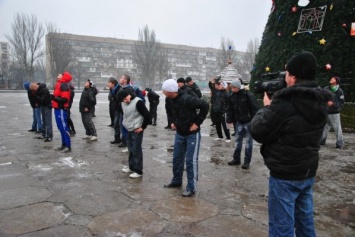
[
  {"x": 220, "y": 120},
  {"x": 89, "y": 126},
  {"x": 47, "y": 128},
  {"x": 117, "y": 126},
  {"x": 241, "y": 131},
  {"x": 112, "y": 111},
  {"x": 70, "y": 122},
  {"x": 153, "y": 111},
  {"x": 134, "y": 145},
  {"x": 37, "y": 120}
]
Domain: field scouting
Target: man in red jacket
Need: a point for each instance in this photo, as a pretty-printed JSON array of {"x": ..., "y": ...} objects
[{"x": 60, "y": 104}]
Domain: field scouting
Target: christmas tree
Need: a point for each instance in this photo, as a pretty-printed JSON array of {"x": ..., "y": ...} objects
[{"x": 324, "y": 27}]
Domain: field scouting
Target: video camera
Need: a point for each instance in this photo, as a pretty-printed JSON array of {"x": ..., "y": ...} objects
[{"x": 276, "y": 81}]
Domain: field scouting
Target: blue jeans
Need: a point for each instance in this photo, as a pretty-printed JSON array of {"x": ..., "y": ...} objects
[
  {"x": 47, "y": 128},
  {"x": 241, "y": 130},
  {"x": 62, "y": 124},
  {"x": 291, "y": 208},
  {"x": 186, "y": 147},
  {"x": 134, "y": 145},
  {"x": 37, "y": 120}
]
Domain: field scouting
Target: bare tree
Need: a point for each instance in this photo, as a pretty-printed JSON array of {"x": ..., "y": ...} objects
[
  {"x": 26, "y": 42},
  {"x": 227, "y": 52},
  {"x": 58, "y": 51},
  {"x": 248, "y": 58},
  {"x": 145, "y": 54}
]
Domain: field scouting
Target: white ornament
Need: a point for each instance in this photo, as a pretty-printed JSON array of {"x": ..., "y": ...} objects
[{"x": 303, "y": 3}]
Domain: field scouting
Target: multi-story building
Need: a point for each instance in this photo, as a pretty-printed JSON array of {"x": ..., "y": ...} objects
[
  {"x": 4, "y": 63},
  {"x": 100, "y": 58}
]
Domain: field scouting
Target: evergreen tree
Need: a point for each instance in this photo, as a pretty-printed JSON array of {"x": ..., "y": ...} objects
[{"x": 285, "y": 34}]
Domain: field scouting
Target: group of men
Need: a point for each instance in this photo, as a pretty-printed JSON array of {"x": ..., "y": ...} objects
[
  {"x": 291, "y": 126},
  {"x": 42, "y": 102}
]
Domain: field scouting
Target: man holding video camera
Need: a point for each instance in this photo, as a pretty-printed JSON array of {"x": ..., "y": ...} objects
[{"x": 289, "y": 127}]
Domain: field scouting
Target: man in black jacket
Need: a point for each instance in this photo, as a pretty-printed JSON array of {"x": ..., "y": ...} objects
[
  {"x": 43, "y": 99},
  {"x": 186, "y": 121},
  {"x": 193, "y": 86},
  {"x": 290, "y": 127},
  {"x": 242, "y": 106},
  {"x": 153, "y": 105},
  {"x": 86, "y": 105}
]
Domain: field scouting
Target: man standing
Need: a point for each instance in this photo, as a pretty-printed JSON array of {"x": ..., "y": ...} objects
[
  {"x": 334, "y": 107},
  {"x": 242, "y": 106},
  {"x": 60, "y": 103},
  {"x": 135, "y": 119},
  {"x": 290, "y": 127},
  {"x": 37, "y": 120},
  {"x": 188, "y": 114},
  {"x": 114, "y": 87},
  {"x": 86, "y": 105},
  {"x": 193, "y": 86},
  {"x": 42, "y": 98},
  {"x": 153, "y": 105},
  {"x": 182, "y": 86}
]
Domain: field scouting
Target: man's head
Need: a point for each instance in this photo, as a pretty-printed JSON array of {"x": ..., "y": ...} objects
[
  {"x": 334, "y": 81},
  {"x": 124, "y": 96},
  {"x": 88, "y": 83},
  {"x": 302, "y": 66},
  {"x": 125, "y": 80},
  {"x": 64, "y": 77},
  {"x": 111, "y": 83},
  {"x": 170, "y": 88},
  {"x": 189, "y": 81},
  {"x": 235, "y": 86},
  {"x": 223, "y": 85},
  {"x": 180, "y": 81},
  {"x": 34, "y": 86}
]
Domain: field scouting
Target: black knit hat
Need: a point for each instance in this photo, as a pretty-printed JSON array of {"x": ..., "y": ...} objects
[
  {"x": 121, "y": 95},
  {"x": 302, "y": 65},
  {"x": 181, "y": 80}
]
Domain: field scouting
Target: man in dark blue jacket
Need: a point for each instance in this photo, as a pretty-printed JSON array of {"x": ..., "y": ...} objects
[
  {"x": 186, "y": 121},
  {"x": 289, "y": 128}
]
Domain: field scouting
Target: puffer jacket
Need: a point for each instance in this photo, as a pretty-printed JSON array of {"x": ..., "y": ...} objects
[
  {"x": 290, "y": 129},
  {"x": 220, "y": 102},
  {"x": 61, "y": 93},
  {"x": 184, "y": 112},
  {"x": 87, "y": 100}
]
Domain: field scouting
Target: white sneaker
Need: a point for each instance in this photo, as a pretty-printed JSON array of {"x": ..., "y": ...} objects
[
  {"x": 87, "y": 137},
  {"x": 217, "y": 139},
  {"x": 135, "y": 175},
  {"x": 93, "y": 138},
  {"x": 228, "y": 140},
  {"x": 126, "y": 169},
  {"x": 125, "y": 150}
]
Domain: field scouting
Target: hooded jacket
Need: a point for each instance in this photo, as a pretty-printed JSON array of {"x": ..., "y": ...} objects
[
  {"x": 61, "y": 93},
  {"x": 290, "y": 129}
]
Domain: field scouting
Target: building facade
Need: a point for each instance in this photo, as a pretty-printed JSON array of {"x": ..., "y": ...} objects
[
  {"x": 98, "y": 59},
  {"x": 4, "y": 64}
]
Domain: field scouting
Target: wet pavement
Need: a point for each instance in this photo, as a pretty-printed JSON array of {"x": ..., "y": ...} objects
[{"x": 84, "y": 193}]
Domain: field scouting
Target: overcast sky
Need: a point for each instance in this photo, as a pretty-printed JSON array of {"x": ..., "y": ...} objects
[{"x": 199, "y": 23}]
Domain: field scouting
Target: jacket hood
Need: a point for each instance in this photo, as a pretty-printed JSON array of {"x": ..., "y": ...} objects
[
  {"x": 66, "y": 77},
  {"x": 26, "y": 85},
  {"x": 308, "y": 99}
]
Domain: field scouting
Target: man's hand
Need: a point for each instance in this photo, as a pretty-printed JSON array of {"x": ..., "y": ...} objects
[
  {"x": 267, "y": 100},
  {"x": 86, "y": 109},
  {"x": 230, "y": 125},
  {"x": 193, "y": 127},
  {"x": 138, "y": 130},
  {"x": 173, "y": 126},
  {"x": 330, "y": 103}
]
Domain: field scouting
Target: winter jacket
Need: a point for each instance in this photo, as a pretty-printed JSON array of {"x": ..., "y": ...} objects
[
  {"x": 188, "y": 90},
  {"x": 290, "y": 129},
  {"x": 184, "y": 112},
  {"x": 135, "y": 114},
  {"x": 87, "y": 100},
  {"x": 196, "y": 89},
  {"x": 242, "y": 106},
  {"x": 213, "y": 91},
  {"x": 61, "y": 93},
  {"x": 153, "y": 97},
  {"x": 337, "y": 99},
  {"x": 43, "y": 96},
  {"x": 72, "y": 94},
  {"x": 220, "y": 102}
]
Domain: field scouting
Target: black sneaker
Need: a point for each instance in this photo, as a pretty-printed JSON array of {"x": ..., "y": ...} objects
[
  {"x": 167, "y": 127},
  {"x": 115, "y": 141},
  {"x": 48, "y": 139},
  {"x": 234, "y": 162},
  {"x": 245, "y": 166},
  {"x": 188, "y": 193},
  {"x": 32, "y": 130},
  {"x": 123, "y": 144}
]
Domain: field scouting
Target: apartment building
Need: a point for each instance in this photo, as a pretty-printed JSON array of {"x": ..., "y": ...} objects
[
  {"x": 100, "y": 58},
  {"x": 4, "y": 63}
]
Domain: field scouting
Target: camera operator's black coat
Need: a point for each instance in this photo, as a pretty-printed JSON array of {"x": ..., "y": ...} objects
[
  {"x": 290, "y": 130},
  {"x": 242, "y": 106}
]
